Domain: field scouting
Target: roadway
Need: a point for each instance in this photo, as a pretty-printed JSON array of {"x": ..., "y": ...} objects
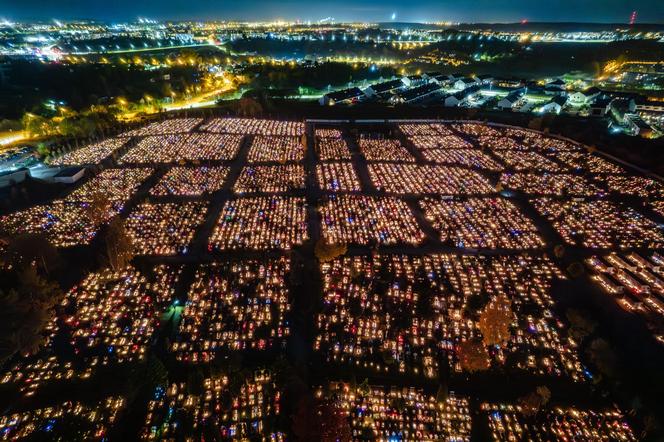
[{"x": 218, "y": 46}]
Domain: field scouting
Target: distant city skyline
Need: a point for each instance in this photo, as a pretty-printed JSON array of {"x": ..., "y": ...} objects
[{"x": 600, "y": 11}]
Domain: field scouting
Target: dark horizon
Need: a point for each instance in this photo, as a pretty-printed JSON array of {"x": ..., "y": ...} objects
[{"x": 426, "y": 11}]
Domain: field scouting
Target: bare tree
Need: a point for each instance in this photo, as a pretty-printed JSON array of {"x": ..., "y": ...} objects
[
  {"x": 99, "y": 208},
  {"x": 119, "y": 247}
]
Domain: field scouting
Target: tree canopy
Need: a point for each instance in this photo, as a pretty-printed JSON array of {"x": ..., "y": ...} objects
[
  {"x": 327, "y": 252},
  {"x": 473, "y": 356},
  {"x": 29, "y": 249},
  {"x": 98, "y": 209},
  {"x": 495, "y": 321},
  {"x": 29, "y": 303}
]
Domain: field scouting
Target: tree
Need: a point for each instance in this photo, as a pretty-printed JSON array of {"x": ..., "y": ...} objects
[
  {"x": 580, "y": 325},
  {"x": 28, "y": 304},
  {"x": 248, "y": 107},
  {"x": 69, "y": 426},
  {"x": 196, "y": 382},
  {"x": 575, "y": 269},
  {"x": 327, "y": 252},
  {"x": 43, "y": 150},
  {"x": 71, "y": 127},
  {"x": 477, "y": 301},
  {"x": 533, "y": 401},
  {"x": 495, "y": 321},
  {"x": 98, "y": 209},
  {"x": 544, "y": 392},
  {"x": 535, "y": 123},
  {"x": 119, "y": 247},
  {"x": 156, "y": 373},
  {"x": 334, "y": 425},
  {"x": 388, "y": 359},
  {"x": 443, "y": 393},
  {"x": 353, "y": 382},
  {"x": 145, "y": 376},
  {"x": 604, "y": 358},
  {"x": 473, "y": 356},
  {"x": 10, "y": 125},
  {"x": 28, "y": 249},
  {"x": 304, "y": 427},
  {"x": 530, "y": 404},
  {"x": 364, "y": 388},
  {"x": 36, "y": 125}
]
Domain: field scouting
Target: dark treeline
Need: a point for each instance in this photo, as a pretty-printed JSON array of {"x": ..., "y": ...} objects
[
  {"x": 522, "y": 59},
  {"x": 299, "y": 48},
  {"x": 28, "y": 84},
  {"x": 554, "y": 59},
  {"x": 316, "y": 76}
]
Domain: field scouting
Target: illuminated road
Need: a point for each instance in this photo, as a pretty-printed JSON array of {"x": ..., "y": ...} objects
[
  {"x": 218, "y": 46},
  {"x": 190, "y": 105},
  {"x": 8, "y": 138}
]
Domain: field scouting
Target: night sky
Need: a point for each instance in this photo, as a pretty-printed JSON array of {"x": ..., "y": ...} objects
[{"x": 650, "y": 11}]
